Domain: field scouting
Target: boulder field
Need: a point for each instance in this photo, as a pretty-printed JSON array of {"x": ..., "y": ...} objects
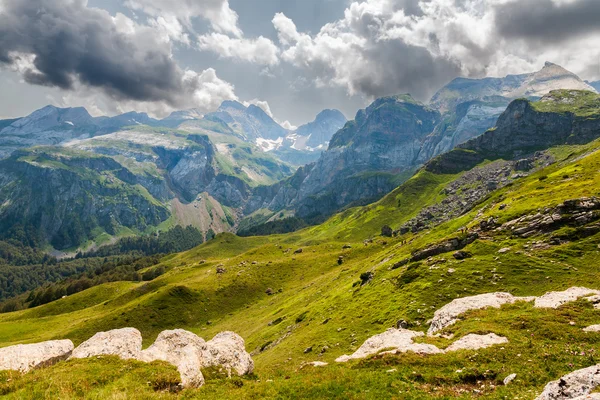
[{"x": 182, "y": 349}]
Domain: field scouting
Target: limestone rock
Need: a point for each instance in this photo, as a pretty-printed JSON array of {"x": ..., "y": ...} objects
[
  {"x": 592, "y": 328},
  {"x": 509, "y": 379},
  {"x": 448, "y": 314},
  {"x": 125, "y": 343},
  {"x": 182, "y": 349},
  {"x": 476, "y": 342},
  {"x": 25, "y": 357},
  {"x": 557, "y": 299},
  {"x": 575, "y": 385},
  {"x": 401, "y": 340},
  {"x": 318, "y": 363},
  {"x": 228, "y": 349}
]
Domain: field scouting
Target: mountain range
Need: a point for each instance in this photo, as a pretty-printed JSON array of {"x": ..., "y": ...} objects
[
  {"x": 71, "y": 180},
  {"x": 474, "y": 278}
]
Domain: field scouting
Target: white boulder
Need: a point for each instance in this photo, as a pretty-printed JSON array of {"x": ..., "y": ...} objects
[
  {"x": 25, "y": 357},
  {"x": 476, "y": 342},
  {"x": 228, "y": 350},
  {"x": 400, "y": 340},
  {"x": 182, "y": 349},
  {"x": 557, "y": 299},
  {"x": 575, "y": 385},
  {"x": 125, "y": 343},
  {"x": 448, "y": 314},
  {"x": 592, "y": 328}
]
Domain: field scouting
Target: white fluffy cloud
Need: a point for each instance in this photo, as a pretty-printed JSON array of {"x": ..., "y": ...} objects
[
  {"x": 260, "y": 51},
  {"x": 382, "y": 47},
  {"x": 221, "y": 17}
]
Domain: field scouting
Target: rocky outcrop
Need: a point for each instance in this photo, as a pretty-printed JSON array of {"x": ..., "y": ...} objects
[
  {"x": 125, "y": 343},
  {"x": 592, "y": 328},
  {"x": 186, "y": 351},
  {"x": 557, "y": 299},
  {"x": 448, "y": 314},
  {"x": 575, "y": 385},
  {"x": 579, "y": 213},
  {"x": 400, "y": 340},
  {"x": 228, "y": 350},
  {"x": 25, "y": 357},
  {"x": 470, "y": 189},
  {"x": 476, "y": 342},
  {"x": 182, "y": 349}
]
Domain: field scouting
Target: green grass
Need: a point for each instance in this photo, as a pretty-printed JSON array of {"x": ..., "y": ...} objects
[{"x": 316, "y": 304}]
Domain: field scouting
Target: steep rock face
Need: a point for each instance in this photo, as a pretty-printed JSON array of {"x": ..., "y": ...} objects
[
  {"x": 364, "y": 158},
  {"x": 252, "y": 122},
  {"x": 472, "y": 106},
  {"x": 560, "y": 117},
  {"x": 536, "y": 84},
  {"x": 322, "y": 129}
]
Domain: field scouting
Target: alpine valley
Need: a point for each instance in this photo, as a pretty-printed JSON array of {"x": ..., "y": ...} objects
[{"x": 419, "y": 251}]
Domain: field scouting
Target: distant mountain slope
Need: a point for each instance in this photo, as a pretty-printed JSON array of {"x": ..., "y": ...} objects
[
  {"x": 250, "y": 122},
  {"x": 560, "y": 117},
  {"x": 471, "y": 106},
  {"x": 366, "y": 159},
  {"x": 321, "y": 130},
  {"x": 130, "y": 182},
  {"x": 536, "y": 84}
]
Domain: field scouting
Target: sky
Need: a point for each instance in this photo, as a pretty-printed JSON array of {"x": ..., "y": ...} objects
[{"x": 293, "y": 58}]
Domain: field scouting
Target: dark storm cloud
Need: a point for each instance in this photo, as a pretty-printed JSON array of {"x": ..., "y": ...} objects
[
  {"x": 72, "y": 42},
  {"x": 545, "y": 21},
  {"x": 402, "y": 68}
]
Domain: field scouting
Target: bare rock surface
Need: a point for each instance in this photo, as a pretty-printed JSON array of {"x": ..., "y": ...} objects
[
  {"x": 228, "y": 350},
  {"x": 182, "y": 349},
  {"x": 25, "y": 357},
  {"x": 125, "y": 343},
  {"x": 576, "y": 385},
  {"x": 557, "y": 299},
  {"x": 592, "y": 328},
  {"x": 476, "y": 342},
  {"x": 448, "y": 314},
  {"x": 401, "y": 340}
]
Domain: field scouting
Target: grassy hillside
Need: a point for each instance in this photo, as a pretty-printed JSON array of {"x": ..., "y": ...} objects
[{"x": 318, "y": 304}]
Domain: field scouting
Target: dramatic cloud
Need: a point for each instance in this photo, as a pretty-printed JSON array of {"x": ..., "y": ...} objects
[
  {"x": 548, "y": 21},
  {"x": 221, "y": 16},
  {"x": 382, "y": 47},
  {"x": 260, "y": 51},
  {"x": 65, "y": 44}
]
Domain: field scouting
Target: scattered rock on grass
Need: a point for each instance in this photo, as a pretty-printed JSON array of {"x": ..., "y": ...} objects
[
  {"x": 401, "y": 340},
  {"x": 575, "y": 385},
  {"x": 509, "y": 379},
  {"x": 592, "y": 328},
  {"x": 25, "y": 357},
  {"x": 557, "y": 299},
  {"x": 125, "y": 343},
  {"x": 182, "y": 349},
  {"x": 448, "y": 314},
  {"x": 476, "y": 342}
]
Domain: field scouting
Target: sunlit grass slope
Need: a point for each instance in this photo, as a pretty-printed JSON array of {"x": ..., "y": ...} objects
[{"x": 317, "y": 304}]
